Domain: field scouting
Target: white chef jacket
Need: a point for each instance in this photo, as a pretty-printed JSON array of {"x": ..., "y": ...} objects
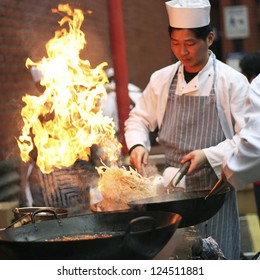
[
  {"x": 231, "y": 89},
  {"x": 242, "y": 165}
]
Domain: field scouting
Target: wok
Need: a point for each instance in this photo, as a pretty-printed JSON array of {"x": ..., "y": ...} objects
[
  {"x": 195, "y": 207},
  {"x": 132, "y": 235}
]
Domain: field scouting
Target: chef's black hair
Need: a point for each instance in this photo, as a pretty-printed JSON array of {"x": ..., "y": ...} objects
[{"x": 200, "y": 32}]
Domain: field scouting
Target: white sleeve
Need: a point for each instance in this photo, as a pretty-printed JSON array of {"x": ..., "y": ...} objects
[
  {"x": 242, "y": 165},
  {"x": 232, "y": 95}
]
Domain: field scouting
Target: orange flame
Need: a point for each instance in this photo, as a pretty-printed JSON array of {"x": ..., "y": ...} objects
[{"x": 66, "y": 120}]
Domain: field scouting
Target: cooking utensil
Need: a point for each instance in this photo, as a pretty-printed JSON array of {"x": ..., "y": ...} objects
[
  {"x": 132, "y": 235},
  {"x": 171, "y": 187},
  {"x": 180, "y": 174},
  {"x": 192, "y": 206},
  {"x": 219, "y": 186}
]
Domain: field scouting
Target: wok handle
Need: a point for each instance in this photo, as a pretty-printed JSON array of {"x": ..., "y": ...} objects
[
  {"x": 219, "y": 186},
  {"x": 134, "y": 223},
  {"x": 44, "y": 211}
]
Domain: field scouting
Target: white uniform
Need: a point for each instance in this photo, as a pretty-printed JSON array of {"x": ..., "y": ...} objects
[
  {"x": 213, "y": 104},
  {"x": 231, "y": 92},
  {"x": 242, "y": 166}
]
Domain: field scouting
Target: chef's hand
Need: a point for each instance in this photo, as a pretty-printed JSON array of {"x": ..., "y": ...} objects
[
  {"x": 139, "y": 158},
  {"x": 197, "y": 159}
]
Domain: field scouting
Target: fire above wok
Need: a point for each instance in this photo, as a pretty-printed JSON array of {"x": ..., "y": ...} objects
[
  {"x": 120, "y": 235},
  {"x": 66, "y": 120}
]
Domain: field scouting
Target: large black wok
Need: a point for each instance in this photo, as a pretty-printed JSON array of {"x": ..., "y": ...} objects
[
  {"x": 132, "y": 235},
  {"x": 194, "y": 207}
]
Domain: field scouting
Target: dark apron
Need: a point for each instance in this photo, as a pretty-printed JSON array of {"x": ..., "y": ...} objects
[{"x": 191, "y": 123}]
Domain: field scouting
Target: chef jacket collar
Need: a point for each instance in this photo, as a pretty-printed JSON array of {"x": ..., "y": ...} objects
[{"x": 193, "y": 86}]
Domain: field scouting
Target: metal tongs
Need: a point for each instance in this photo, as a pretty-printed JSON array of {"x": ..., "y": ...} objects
[{"x": 178, "y": 176}]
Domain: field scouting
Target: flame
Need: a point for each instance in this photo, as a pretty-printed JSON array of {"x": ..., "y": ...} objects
[{"x": 65, "y": 121}]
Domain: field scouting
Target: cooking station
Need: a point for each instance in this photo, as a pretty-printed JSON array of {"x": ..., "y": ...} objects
[
  {"x": 150, "y": 228},
  {"x": 64, "y": 134}
]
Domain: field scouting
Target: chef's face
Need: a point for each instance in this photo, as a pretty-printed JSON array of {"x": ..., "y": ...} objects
[{"x": 191, "y": 51}]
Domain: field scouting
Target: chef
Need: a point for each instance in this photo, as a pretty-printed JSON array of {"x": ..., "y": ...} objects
[
  {"x": 198, "y": 104},
  {"x": 242, "y": 165}
]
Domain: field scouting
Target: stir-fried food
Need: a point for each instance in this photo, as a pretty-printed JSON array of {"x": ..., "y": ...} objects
[
  {"x": 79, "y": 237},
  {"x": 121, "y": 185}
]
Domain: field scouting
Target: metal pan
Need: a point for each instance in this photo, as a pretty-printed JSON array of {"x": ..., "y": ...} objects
[
  {"x": 195, "y": 207},
  {"x": 121, "y": 235}
]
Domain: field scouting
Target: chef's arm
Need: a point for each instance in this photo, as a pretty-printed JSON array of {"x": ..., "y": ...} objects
[
  {"x": 143, "y": 118},
  {"x": 213, "y": 156},
  {"x": 241, "y": 166},
  {"x": 216, "y": 154}
]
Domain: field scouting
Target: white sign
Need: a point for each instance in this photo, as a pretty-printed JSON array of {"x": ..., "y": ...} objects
[{"x": 236, "y": 22}]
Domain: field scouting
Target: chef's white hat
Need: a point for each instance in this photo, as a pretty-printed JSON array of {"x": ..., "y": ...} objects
[{"x": 188, "y": 13}]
